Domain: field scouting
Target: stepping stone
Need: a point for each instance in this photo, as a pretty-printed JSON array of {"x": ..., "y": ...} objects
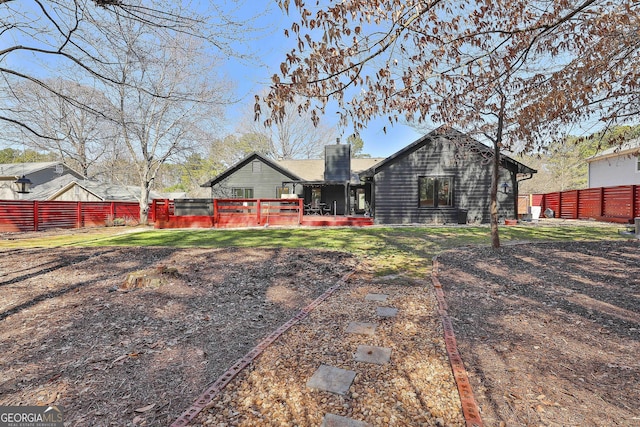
[
  {"x": 370, "y": 354},
  {"x": 333, "y": 380},
  {"x": 361, "y": 328},
  {"x": 387, "y": 311},
  {"x": 332, "y": 420},
  {"x": 376, "y": 297}
]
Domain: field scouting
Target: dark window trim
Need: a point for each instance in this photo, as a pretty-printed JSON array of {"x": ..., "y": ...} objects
[{"x": 437, "y": 179}]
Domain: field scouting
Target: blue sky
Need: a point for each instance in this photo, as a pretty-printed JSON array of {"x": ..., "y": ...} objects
[{"x": 252, "y": 78}]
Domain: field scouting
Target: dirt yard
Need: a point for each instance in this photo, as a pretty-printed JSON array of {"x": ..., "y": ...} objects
[{"x": 549, "y": 334}]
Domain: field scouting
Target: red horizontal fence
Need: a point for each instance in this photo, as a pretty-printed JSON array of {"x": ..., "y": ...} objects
[
  {"x": 613, "y": 204},
  {"x": 25, "y": 215},
  {"x": 231, "y": 213}
]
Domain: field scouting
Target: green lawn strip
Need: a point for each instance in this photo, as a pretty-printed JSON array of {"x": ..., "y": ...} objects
[{"x": 390, "y": 250}]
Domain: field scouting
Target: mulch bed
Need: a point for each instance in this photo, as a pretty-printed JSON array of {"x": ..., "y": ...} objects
[
  {"x": 549, "y": 334},
  {"x": 72, "y": 334}
]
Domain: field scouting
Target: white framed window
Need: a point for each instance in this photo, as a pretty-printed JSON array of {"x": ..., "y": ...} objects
[{"x": 242, "y": 193}]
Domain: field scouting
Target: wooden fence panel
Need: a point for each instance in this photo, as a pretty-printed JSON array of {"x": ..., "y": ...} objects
[
  {"x": 569, "y": 205},
  {"x": 16, "y": 215},
  {"x": 128, "y": 211},
  {"x": 26, "y": 215},
  {"x": 590, "y": 205},
  {"x": 618, "y": 202},
  {"x": 57, "y": 215},
  {"x": 96, "y": 214},
  {"x": 552, "y": 201},
  {"x": 614, "y": 204}
]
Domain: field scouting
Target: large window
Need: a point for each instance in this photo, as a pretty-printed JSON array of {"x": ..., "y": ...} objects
[
  {"x": 242, "y": 193},
  {"x": 435, "y": 191}
]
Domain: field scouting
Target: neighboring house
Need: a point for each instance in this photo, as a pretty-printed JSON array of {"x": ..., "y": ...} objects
[
  {"x": 616, "y": 166},
  {"x": 38, "y": 173},
  {"x": 56, "y": 181},
  {"x": 443, "y": 177}
]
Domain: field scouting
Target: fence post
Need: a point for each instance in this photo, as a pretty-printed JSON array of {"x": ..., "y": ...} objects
[
  {"x": 560, "y": 204},
  {"x": 154, "y": 206},
  {"x": 36, "y": 216},
  {"x": 79, "y": 215},
  {"x": 300, "y": 210},
  {"x": 258, "y": 209},
  {"x": 634, "y": 201},
  {"x": 601, "y": 201}
]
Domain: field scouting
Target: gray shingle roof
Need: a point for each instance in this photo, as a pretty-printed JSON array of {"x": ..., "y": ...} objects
[{"x": 626, "y": 148}]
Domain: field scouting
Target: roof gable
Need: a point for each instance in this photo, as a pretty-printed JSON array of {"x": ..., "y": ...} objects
[
  {"x": 251, "y": 157},
  {"x": 450, "y": 134},
  {"x": 19, "y": 169}
]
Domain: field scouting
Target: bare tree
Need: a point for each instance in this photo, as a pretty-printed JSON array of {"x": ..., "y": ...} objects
[
  {"x": 167, "y": 102},
  {"x": 291, "y": 137},
  {"x": 65, "y": 38},
  {"x": 78, "y": 136},
  {"x": 516, "y": 72}
]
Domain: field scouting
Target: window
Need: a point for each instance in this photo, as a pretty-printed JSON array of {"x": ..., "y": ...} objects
[
  {"x": 435, "y": 192},
  {"x": 242, "y": 193},
  {"x": 282, "y": 190},
  {"x": 638, "y": 164}
]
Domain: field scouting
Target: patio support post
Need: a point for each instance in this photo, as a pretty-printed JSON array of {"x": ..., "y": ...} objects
[{"x": 347, "y": 207}]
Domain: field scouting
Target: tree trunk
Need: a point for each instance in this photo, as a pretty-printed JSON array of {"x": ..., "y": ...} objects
[
  {"x": 495, "y": 175},
  {"x": 144, "y": 203},
  {"x": 493, "y": 207}
]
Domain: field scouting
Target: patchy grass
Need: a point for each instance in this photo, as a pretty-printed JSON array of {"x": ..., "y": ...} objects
[{"x": 391, "y": 250}]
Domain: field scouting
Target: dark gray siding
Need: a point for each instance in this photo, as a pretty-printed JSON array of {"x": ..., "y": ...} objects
[
  {"x": 264, "y": 182},
  {"x": 396, "y": 185}
]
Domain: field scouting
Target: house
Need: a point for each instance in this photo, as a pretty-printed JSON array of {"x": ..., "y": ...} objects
[
  {"x": 56, "y": 181},
  {"x": 328, "y": 182},
  {"x": 615, "y": 166},
  {"x": 443, "y": 177}
]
